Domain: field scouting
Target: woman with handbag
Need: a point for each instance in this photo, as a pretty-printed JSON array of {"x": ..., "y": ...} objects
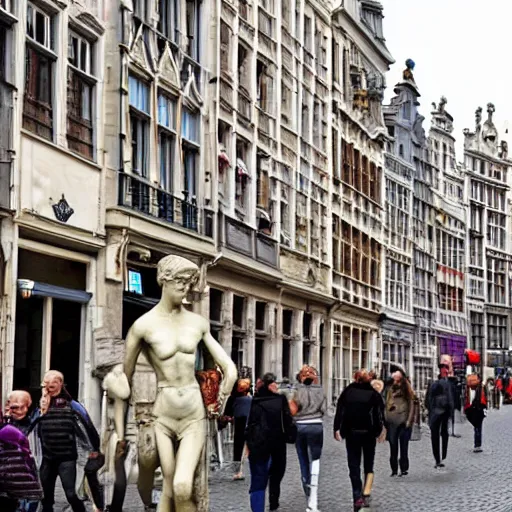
[
  {"x": 269, "y": 427},
  {"x": 308, "y": 405},
  {"x": 399, "y": 416}
]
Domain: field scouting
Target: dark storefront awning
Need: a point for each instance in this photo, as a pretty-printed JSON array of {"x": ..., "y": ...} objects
[{"x": 36, "y": 289}]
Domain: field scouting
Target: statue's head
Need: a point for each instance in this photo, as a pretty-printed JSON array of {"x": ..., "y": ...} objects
[
  {"x": 18, "y": 404},
  {"x": 177, "y": 276},
  {"x": 53, "y": 382}
]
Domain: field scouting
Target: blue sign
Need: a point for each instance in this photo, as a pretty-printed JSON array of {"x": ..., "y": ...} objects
[{"x": 134, "y": 282}]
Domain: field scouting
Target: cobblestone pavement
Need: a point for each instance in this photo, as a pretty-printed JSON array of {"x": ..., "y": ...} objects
[{"x": 470, "y": 481}]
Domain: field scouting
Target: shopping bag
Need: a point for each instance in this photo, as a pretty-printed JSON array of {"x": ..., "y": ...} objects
[{"x": 416, "y": 432}]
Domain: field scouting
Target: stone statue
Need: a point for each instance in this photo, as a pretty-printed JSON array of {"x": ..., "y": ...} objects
[
  {"x": 478, "y": 118},
  {"x": 442, "y": 103},
  {"x": 175, "y": 437},
  {"x": 408, "y": 72}
]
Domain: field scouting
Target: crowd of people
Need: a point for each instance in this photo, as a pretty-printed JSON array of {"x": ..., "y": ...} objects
[
  {"x": 61, "y": 431},
  {"x": 368, "y": 411}
]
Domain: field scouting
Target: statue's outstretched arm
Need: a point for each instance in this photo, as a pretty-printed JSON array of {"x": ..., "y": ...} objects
[{"x": 227, "y": 366}]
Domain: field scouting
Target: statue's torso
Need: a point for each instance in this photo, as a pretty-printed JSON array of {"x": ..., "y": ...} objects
[{"x": 170, "y": 345}]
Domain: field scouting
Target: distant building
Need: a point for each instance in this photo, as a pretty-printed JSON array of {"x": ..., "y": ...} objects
[{"x": 489, "y": 262}]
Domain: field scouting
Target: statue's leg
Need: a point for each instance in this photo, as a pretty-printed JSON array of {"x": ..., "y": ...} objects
[
  {"x": 187, "y": 458},
  {"x": 165, "y": 448}
]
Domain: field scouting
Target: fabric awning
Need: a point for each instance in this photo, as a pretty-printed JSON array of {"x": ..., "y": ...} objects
[{"x": 38, "y": 289}]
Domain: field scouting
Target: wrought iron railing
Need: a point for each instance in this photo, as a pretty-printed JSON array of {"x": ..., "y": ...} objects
[{"x": 138, "y": 194}]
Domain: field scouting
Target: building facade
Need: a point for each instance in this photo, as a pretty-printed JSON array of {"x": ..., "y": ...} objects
[
  {"x": 450, "y": 234},
  {"x": 398, "y": 326},
  {"x": 488, "y": 196},
  {"x": 52, "y": 182}
]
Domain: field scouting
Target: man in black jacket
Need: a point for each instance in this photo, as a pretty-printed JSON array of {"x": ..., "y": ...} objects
[
  {"x": 440, "y": 403},
  {"x": 61, "y": 421},
  {"x": 359, "y": 420},
  {"x": 268, "y": 427}
]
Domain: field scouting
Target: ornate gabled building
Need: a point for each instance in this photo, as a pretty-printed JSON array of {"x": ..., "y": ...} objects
[
  {"x": 450, "y": 233},
  {"x": 403, "y": 122},
  {"x": 489, "y": 262},
  {"x": 358, "y": 137}
]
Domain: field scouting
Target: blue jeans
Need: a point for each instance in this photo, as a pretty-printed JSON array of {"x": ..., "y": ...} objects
[
  {"x": 478, "y": 435},
  {"x": 310, "y": 440},
  {"x": 27, "y": 506},
  {"x": 267, "y": 470}
]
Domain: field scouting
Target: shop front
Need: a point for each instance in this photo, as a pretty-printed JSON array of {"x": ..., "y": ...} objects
[{"x": 53, "y": 306}]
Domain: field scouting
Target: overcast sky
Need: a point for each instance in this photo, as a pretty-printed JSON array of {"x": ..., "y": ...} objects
[{"x": 461, "y": 49}]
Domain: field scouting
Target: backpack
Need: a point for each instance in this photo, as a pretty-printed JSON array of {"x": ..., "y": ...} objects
[
  {"x": 361, "y": 418},
  {"x": 258, "y": 433}
]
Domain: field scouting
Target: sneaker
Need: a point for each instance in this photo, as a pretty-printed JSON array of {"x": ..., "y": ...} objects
[
  {"x": 366, "y": 501},
  {"x": 440, "y": 465},
  {"x": 404, "y": 473},
  {"x": 478, "y": 449},
  {"x": 394, "y": 474}
]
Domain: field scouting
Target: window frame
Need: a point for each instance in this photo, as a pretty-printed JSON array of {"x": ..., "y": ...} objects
[
  {"x": 167, "y": 133},
  {"x": 143, "y": 119},
  {"x": 88, "y": 79},
  {"x": 192, "y": 147}
]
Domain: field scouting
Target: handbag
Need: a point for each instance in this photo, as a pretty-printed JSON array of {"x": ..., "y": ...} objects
[{"x": 290, "y": 431}]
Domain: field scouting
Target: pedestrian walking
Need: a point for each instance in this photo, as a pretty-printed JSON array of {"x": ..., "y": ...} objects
[
  {"x": 309, "y": 402},
  {"x": 440, "y": 405},
  {"x": 399, "y": 416},
  {"x": 475, "y": 407},
  {"x": 238, "y": 407},
  {"x": 17, "y": 415},
  {"x": 269, "y": 427},
  {"x": 18, "y": 472},
  {"x": 62, "y": 423},
  {"x": 359, "y": 421}
]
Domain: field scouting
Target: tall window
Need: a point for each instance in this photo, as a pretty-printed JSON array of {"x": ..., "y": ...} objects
[
  {"x": 138, "y": 93},
  {"x": 81, "y": 83},
  {"x": 497, "y": 332},
  {"x": 39, "y": 60},
  {"x": 192, "y": 27},
  {"x": 3, "y": 51},
  {"x": 190, "y": 147},
  {"x": 496, "y": 235},
  {"x": 398, "y": 285},
  {"x": 477, "y": 331},
  {"x": 169, "y": 18},
  {"x": 265, "y": 86},
  {"x": 167, "y": 139},
  {"x": 496, "y": 276},
  {"x": 262, "y": 184},
  {"x": 308, "y": 33}
]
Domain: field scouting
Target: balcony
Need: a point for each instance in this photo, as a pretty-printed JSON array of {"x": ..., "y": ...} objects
[
  {"x": 139, "y": 195},
  {"x": 6, "y": 107},
  {"x": 245, "y": 240}
]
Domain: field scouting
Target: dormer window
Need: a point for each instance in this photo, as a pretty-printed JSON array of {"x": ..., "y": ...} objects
[{"x": 372, "y": 18}]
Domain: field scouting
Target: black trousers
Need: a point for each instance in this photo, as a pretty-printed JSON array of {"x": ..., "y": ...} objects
[
  {"x": 239, "y": 438},
  {"x": 439, "y": 429},
  {"x": 8, "y": 505},
  {"x": 91, "y": 473},
  {"x": 399, "y": 437},
  {"x": 66, "y": 470},
  {"x": 358, "y": 444}
]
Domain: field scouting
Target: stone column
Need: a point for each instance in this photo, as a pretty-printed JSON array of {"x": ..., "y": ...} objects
[
  {"x": 226, "y": 333},
  {"x": 298, "y": 316},
  {"x": 328, "y": 368},
  {"x": 316, "y": 321},
  {"x": 250, "y": 339},
  {"x": 278, "y": 343},
  {"x": 270, "y": 345}
]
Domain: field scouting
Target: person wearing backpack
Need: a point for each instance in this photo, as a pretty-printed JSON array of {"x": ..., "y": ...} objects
[
  {"x": 475, "y": 407},
  {"x": 359, "y": 420},
  {"x": 269, "y": 427},
  {"x": 440, "y": 403}
]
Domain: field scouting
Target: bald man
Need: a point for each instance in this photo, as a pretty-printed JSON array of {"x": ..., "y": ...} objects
[
  {"x": 18, "y": 405},
  {"x": 61, "y": 420}
]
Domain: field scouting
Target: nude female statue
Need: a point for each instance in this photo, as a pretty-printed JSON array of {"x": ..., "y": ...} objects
[{"x": 169, "y": 336}]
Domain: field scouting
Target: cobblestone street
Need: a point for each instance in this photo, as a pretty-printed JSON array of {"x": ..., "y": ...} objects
[{"x": 469, "y": 481}]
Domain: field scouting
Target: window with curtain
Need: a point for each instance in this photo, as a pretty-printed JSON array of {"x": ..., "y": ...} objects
[{"x": 139, "y": 98}]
